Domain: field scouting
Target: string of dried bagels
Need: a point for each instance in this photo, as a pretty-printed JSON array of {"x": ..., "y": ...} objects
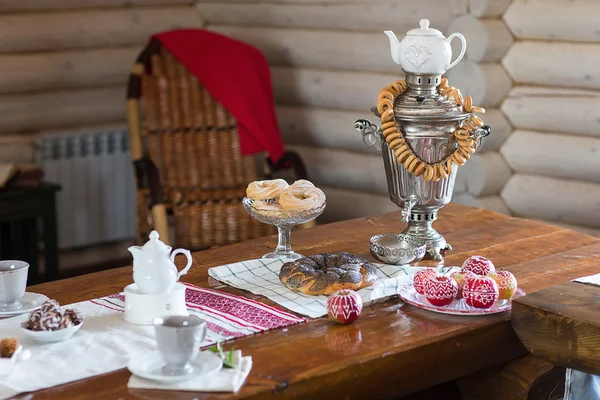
[{"x": 465, "y": 136}]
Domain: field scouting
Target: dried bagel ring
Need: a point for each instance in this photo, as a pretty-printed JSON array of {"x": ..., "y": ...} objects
[
  {"x": 467, "y": 149},
  {"x": 448, "y": 89},
  {"x": 386, "y": 94},
  {"x": 469, "y": 124},
  {"x": 468, "y": 104},
  {"x": 394, "y": 144},
  {"x": 387, "y": 125},
  {"x": 409, "y": 160},
  {"x": 443, "y": 170},
  {"x": 384, "y": 104},
  {"x": 402, "y": 84},
  {"x": 479, "y": 110},
  {"x": 437, "y": 175},
  {"x": 390, "y": 130},
  {"x": 413, "y": 165},
  {"x": 458, "y": 158},
  {"x": 466, "y": 142},
  {"x": 388, "y": 115},
  {"x": 461, "y": 134},
  {"x": 443, "y": 83},
  {"x": 392, "y": 136},
  {"x": 464, "y": 153},
  {"x": 458, "y": 97},
  {"x": 420, "y": 168},
  {"x": 402, "y": 157},
  {"x": 428, "y": 175},
  {"x": 396, "y": 87},
  {"x": 449, "y": 165},
  {"x": 400, "y": 150},
  {"x": 476, "y": 120}
]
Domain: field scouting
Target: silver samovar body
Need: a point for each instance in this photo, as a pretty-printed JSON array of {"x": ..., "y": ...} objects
[{"x": 427, "y": 121}]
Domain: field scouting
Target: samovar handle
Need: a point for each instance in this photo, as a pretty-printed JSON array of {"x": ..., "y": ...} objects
[
  {"x": 480, "y": 133},
  {"x": 370, "y": 133}
]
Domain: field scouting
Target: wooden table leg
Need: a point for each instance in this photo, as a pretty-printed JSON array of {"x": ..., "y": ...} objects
[
  {"x": 526, "y": 378},
  {"x": 51, "y": 239}
]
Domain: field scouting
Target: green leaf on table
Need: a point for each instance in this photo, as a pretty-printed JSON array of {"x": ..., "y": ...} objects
[{"x": 226, "y": 357}]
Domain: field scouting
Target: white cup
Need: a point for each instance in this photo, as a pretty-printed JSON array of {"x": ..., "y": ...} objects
[{"x": 13, "y": 281}]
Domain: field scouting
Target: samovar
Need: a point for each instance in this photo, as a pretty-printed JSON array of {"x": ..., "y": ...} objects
[{"x": 427, "y": 121}]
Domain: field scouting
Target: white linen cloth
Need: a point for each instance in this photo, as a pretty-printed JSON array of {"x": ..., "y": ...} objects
[
  {"x": 580, "y": 385},
  {"x": 105, "y": 343},
  {"x": 262, "y": 277},
  {"x": 225, "y": 380}
]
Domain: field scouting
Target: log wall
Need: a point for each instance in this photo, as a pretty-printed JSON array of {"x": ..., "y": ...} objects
[
  {"x": 554, "y": 107},
  {"x": 329, "y": 60},
  {"x": 64, "y": 63}
]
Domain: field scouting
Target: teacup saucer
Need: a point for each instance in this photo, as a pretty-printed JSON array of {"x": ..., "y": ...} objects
[
  {"x": 150, "y": 365},
  {"x": 30, "y": 301}
]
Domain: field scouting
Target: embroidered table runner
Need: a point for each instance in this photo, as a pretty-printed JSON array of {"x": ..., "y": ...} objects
[
  {"x": 106, "y": 342},
  {"x": 262, "y": 277}
]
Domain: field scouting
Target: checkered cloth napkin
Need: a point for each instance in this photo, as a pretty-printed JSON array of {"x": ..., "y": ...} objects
[{"x": 262, "y": 277}]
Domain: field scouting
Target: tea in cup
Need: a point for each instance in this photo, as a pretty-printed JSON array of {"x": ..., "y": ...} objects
[{"x": 13, "y": 281}]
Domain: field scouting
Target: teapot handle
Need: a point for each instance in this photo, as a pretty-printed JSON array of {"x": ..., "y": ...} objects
[
  {"x": 189, "y": 263},
  {"x": 462, "y": 50}
]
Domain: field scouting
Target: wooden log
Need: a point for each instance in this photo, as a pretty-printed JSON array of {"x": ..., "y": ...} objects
[
  {"x": 398, "y": 15},
  {"x": 488, "y": 8},
  {"x": 321, "y": 127},
  {"x": 501, "y": 129},
  {"x": 487, "y": 39},
  {"x": 345, "y": 204},
  {"x": 356, "y": 51},
  {"x": 493, "y": 203},
  {"x": 92, "y": 28},
  {"x": 545, "y": 64},
  {"x": 344, "y": 170},
  {"x": 561, "y": 324},
  {"x": 66, "y": 69},
  {"x": 485, "y": 174},
  {"x": 528, "y": 377},
  {"x": 17, "y": 149},
  {"x": 12, "y": 6},
  {"x": 554, "y": 109},
  {"x": 488, "y": 84},
  {"x": 558, "y": 155},
  {"x": 553, "y": 199},
  {"x": 554, "y": 20},
  {"x": 329, "y": 89},
  {"x": 37, "y": 111}
]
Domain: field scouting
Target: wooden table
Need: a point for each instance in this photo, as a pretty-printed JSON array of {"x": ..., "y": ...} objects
[
  {"x": 562, "y": 323},
  {"x": 393, "y": 349}
]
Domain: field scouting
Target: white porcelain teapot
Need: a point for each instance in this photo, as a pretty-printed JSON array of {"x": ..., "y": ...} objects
[
  {"x": 154, "y": 269},
  {"x": 425, "y": 50}
]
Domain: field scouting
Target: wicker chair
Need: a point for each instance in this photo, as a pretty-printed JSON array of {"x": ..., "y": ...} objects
[{"x": 187, "y": 158}]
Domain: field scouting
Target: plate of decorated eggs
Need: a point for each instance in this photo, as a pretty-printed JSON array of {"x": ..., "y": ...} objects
[{"x": 476, "y": 288}]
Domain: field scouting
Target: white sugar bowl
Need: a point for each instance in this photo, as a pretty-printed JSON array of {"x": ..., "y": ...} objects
[{"x": 425, "y": 50}]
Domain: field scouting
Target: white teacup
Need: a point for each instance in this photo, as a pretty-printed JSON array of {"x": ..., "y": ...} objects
[{"x": 13, "y": 281}]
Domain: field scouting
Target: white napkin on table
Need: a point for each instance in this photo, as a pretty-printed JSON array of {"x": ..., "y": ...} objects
[
  {"x": 225, "y": 380},
  {"x": 592, "y": 279}
]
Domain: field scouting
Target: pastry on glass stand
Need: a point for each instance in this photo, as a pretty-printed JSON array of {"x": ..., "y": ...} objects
[{"x": 274, "y": 202}]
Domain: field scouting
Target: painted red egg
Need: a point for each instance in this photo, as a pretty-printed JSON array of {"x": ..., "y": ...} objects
[
  {"x": 480, "y": 291},
  {"x": 344, "y": 306},
  {"x": 440, "y": 290},
  {"x": 478, "y": 265},
  {"x": 421, "y": 277}
]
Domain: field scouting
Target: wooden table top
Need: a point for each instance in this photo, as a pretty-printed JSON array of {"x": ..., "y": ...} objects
[
  {"x": 393, "y": 348},
  {"x": 562, "y": 323}
]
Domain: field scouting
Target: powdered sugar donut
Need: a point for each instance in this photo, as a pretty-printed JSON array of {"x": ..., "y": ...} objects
[
  {"x": 268, "y": 209},
  {"x": 262, "y": 190},
  {"x": 302, "y": 183},
  {"x": 301, "y": 198}
]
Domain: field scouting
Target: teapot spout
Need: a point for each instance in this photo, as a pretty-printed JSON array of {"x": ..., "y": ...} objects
[
  {"x": 135, "y": 251},
  {"x": 394, "y": 46}
]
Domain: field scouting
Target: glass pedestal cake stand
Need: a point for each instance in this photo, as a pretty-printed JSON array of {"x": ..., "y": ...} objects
[{"x": 285, "y": 221}]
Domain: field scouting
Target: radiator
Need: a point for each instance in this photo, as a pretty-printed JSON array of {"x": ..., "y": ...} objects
[{"x": 97, "y": 201}]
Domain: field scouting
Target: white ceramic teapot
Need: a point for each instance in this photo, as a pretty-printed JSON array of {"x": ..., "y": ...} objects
[
  {"x": 154, "y": 269},
  {"x": 425, "y": 50}
]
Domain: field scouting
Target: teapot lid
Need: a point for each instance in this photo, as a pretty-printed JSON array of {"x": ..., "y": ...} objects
[
  {"x": 155, "y": 245},
  {"x": 424, "y": 30}
]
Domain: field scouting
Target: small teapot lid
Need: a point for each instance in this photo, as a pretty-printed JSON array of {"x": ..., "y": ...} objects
[
  {"x": 424, "y": 30},
  {"x": 155, "y": 245}
]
